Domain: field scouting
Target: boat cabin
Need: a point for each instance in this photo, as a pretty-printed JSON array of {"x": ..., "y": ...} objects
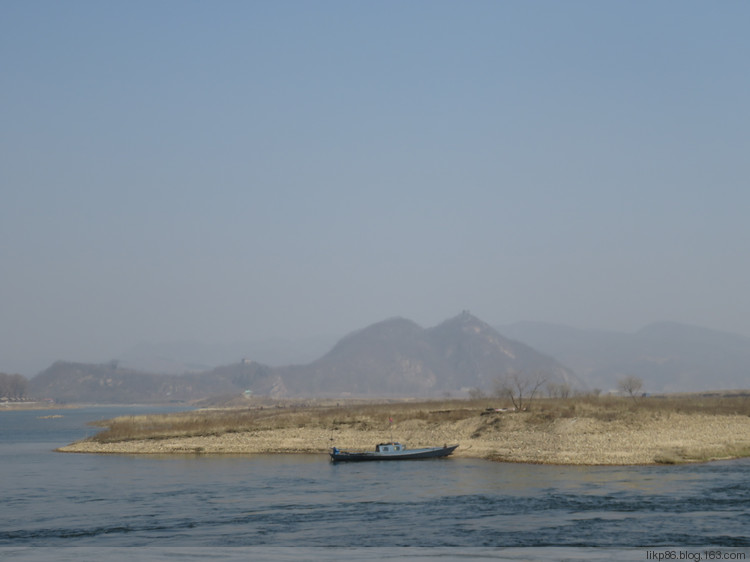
[{"x": 389, "y": 447}]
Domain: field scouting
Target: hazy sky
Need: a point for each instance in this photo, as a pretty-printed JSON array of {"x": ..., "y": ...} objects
[{"x": 235, "y": 171}]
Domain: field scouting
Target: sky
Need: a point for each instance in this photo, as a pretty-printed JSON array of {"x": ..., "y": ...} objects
[{"x": 238, "y": 171}]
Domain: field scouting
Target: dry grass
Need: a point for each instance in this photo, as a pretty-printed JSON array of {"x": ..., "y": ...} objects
[
  {"x": 580, "y": 430},
  {"x": 202, "y": 423},
  {"x": 362, "y": 416}
]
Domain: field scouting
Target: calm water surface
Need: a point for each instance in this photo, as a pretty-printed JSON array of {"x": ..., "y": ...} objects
[{"x": 300, "y": 507}]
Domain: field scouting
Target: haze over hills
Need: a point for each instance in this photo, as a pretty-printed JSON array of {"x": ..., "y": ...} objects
[
  {"x": 111, "y": 384},
  {"x": 398, "y": 357},
  {"x": 180, "y": 357},
  {"x": 395, "y": 357},
  {"x": 668, "y": 356}
]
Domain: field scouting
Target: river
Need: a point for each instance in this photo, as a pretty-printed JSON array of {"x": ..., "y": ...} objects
[{"x": 59, "y": 506}]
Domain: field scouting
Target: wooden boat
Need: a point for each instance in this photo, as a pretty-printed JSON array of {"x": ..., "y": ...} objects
[{"x": 392, "y": 451}]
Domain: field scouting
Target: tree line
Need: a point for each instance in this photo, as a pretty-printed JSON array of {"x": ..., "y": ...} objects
[
  {"x": 521, "y": 388},
  {"x": 12, "y": 387}
]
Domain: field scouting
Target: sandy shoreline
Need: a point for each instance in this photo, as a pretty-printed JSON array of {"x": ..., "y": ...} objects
[{"x": 503, "y": 437}]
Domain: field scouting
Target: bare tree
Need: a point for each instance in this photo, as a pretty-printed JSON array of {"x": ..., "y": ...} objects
[
  {"x": 558, "y": 390},
  {"x": 476, "y": 393},
  {"x": 12, "y": 386},
  {"x": 630, "y": 384},
  {"x": 520, "y": 388}
]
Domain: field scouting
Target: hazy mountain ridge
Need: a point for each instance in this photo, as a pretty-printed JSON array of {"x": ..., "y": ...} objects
[
  {"x": 109, "y": 383},
  {"x": 395, "y": 357},
  {"x": 668, "y": 356},
  {"x": 366, "y": 360},
  {"x": 467, "y": 343},
  {"x": 180, "y": 357},
  {"x": 398, "y": 357}
]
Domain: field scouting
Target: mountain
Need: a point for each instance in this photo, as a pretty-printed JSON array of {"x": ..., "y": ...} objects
[
  {"x": 668, "y": 356},
  {"x": 397, "y": 357},
  {"x": 179, "y": 357},
  {"x": 111, "y": 384}
]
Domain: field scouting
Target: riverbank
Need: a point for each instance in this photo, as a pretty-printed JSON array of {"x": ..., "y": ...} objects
[
  {"x": 17, "y": 406},
  {"x": 576, "y": 434}
]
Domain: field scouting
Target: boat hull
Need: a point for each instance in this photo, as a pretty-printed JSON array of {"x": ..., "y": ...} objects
[{"x": 409, "y": 454}]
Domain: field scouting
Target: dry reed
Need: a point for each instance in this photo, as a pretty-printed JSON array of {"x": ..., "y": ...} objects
[{"x": 375, "y": 416}]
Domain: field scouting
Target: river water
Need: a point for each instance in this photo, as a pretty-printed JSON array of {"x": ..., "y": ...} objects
[{"x": 58, "y": 506}]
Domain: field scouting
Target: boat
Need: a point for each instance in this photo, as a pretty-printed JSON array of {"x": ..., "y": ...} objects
[{"x": 392, "y": 451}]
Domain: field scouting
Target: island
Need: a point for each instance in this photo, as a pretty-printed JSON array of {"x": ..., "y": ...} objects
[{"x": 588, "y": 430}]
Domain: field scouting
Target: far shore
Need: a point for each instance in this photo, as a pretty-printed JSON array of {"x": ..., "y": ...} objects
[
  {"x": 582, "y": 435},
  {"x": 44, "y": 405},
  {"x": 41, "y": 405}
]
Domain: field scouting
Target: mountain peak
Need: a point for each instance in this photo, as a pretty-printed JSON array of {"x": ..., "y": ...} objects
[
  {"x": 468, "y": 323},
  {"x": 464, "y": 316},
  {"x": 398, "y": 357},
  {"x": 391, "y": 327}
]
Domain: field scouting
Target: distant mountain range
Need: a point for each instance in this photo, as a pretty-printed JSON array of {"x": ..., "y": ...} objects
[
  {"x": 668, "y": 356},
  {"x": 110, "y": 384},
  {"x": 181, "y": 357},
  {"x": 397, "y": 357}
]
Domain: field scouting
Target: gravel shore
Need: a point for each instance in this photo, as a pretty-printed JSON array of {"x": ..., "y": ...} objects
[{"x": 510, "y": 437}]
